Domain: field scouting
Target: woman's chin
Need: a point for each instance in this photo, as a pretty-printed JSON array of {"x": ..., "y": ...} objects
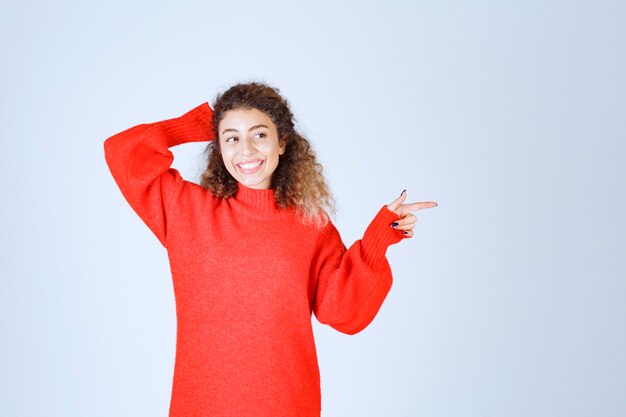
[{"x": 248, "y": 182}]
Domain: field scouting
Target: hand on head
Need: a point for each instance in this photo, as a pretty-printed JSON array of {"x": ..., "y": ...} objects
[{"x": 407, "y": 219}]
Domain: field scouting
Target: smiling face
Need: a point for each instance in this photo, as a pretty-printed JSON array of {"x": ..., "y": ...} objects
[{"x": 250, "y": 147}]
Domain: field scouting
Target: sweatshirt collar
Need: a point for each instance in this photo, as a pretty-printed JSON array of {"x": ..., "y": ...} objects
[{"x": 262, "y": 201}]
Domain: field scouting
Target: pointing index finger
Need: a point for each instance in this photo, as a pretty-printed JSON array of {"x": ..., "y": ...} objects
[{"x": 420, "y": 205}]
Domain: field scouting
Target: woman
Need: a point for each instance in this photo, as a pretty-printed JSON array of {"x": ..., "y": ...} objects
[{"x": 253, "y": 253}]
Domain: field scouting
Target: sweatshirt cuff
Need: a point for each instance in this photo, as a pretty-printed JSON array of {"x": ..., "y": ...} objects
[
  {"x": 194, "y": 126},
  {"x": 379, "y": 235}
]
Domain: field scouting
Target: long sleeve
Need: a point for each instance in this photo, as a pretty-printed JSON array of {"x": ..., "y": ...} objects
[
  {"x": 140, "y": 161},
  {"x": 352, "y": 284}
]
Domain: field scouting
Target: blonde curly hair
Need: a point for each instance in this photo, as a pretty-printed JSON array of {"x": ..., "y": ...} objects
[{"x": 298, "y": 180}]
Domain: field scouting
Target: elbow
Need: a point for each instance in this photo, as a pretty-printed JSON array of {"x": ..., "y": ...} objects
[
  {"x": 350, "y": 325},
  {"x": 109, "y": 155},
  {"x": 109, "y": 149},
  {"x": 356, "y": 319},
  {"x": 349, "y": 330}
]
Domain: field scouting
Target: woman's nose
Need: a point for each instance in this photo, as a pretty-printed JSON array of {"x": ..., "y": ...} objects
[{"x": 248, "y": 147}]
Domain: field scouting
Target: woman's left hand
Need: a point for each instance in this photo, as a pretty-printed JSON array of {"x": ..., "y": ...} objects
[{"x": 407, "y": 220}]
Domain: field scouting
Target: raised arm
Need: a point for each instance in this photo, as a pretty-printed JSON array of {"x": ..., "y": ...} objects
[
  {"x": 140, "y": 162},
  {"x": 352, "y": 284}
]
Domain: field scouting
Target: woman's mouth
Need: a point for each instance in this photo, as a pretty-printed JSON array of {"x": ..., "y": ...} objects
[{"x": 251, "y": 167}]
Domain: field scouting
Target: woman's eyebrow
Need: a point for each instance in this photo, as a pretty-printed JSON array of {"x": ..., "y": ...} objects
[{"x": 252, "y": 128}]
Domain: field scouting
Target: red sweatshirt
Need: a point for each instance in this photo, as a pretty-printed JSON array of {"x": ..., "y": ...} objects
[{"x": 247, "y": 277}]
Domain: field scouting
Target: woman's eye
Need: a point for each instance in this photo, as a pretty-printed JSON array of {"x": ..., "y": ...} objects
[
  {"x": 261, "y": 135},
  {"x": 228, "y": 139}
]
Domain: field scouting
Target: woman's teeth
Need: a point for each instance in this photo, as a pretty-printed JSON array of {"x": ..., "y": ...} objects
[{"x": 251, "y": 165}]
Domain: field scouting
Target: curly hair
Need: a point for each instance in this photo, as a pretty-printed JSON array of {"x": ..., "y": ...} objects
[{"x": 297, "y": 181}]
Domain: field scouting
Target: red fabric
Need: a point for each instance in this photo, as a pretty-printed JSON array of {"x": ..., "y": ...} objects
[{"x": 247, "y": 277}]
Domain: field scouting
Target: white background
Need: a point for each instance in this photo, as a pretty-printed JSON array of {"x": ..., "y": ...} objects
[{"x": 510, "y": 300}]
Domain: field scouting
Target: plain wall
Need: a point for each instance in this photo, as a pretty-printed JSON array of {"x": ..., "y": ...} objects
[{"x": 508, "y": 301}]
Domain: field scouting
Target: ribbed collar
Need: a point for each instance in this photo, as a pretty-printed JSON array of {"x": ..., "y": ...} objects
[{"x": 262, "y": 201}]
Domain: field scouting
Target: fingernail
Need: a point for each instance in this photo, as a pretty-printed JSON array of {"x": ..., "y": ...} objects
[
  {"x": 394, "y": 224},
  {"x": 405, "y": 232},
  {"x": 402, "y": 192}
]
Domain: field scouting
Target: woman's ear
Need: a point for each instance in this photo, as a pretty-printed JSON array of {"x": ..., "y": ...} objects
[{"x": 283, "y": 145}]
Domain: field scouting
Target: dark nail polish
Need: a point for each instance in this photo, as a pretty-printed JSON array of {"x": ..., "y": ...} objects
[
  {"x": 402, "y": 192},
  {"x": 394, "y": 224},
  {"x": 405, "y": 232}
]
